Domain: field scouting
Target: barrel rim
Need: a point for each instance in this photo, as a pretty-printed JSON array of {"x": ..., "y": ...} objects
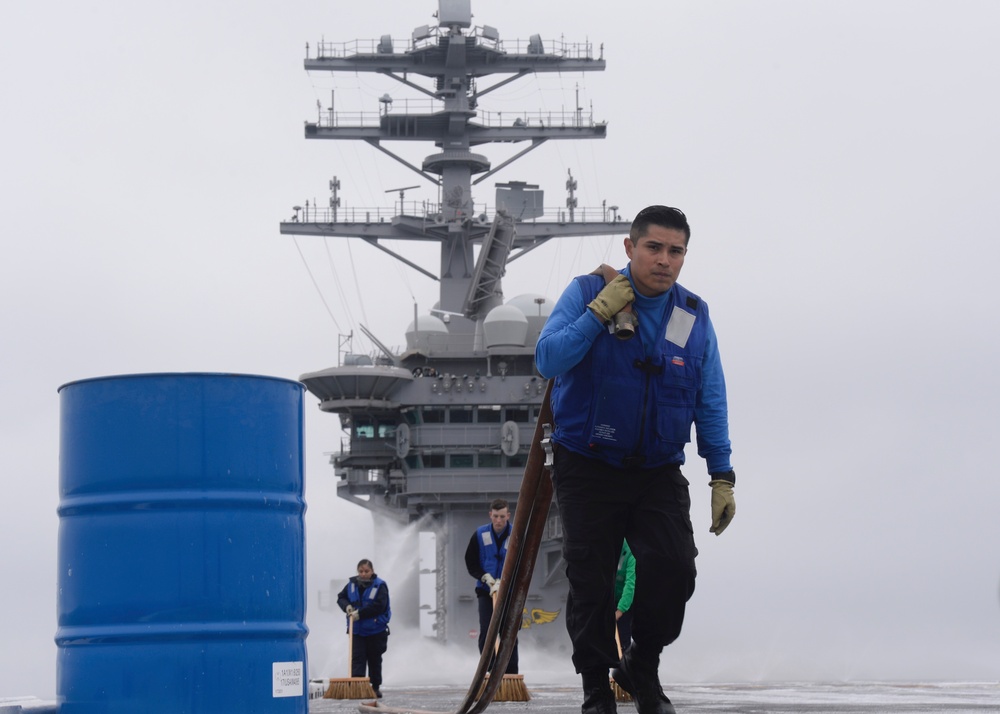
[{"x": 146, "y": 375}]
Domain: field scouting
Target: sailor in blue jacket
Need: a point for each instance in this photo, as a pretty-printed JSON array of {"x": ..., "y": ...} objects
[
  {"x": 484, "y": 559},
  {"x": 365, "y": 599},
  {"x": 623, "y": 410}
]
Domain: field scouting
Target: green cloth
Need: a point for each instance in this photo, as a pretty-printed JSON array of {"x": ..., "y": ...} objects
[{"x": 625, "y": 579}]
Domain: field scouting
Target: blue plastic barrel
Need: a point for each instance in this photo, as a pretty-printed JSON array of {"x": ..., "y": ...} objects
[{"x": 181, "y": 546}]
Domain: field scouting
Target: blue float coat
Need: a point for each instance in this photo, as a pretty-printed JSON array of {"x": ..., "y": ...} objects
[
  {"x": 372, "y": 604},
  {"x": 603, "y": 403},
  {"x": 492, "y": 552}
]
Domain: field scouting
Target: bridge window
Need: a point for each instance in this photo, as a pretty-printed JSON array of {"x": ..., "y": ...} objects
[
  {"x": 364, "y": 428},
  {"x": 489, "y": 461},
  {"x": 459, "y": 415},
  {"x": 517, "y": 460},
  {"x": 432, "y": 415},
  {"x": 489, "y": 415},
  {"x": 460, "y": 461},
  {"x": 522, "y": 415},
  {"x": 433, "y": 461}
]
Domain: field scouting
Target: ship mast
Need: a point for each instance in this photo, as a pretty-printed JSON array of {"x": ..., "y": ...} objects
[{"x": 456, "y": 57}]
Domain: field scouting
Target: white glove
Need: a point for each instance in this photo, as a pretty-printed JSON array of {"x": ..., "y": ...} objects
[
  {"x": 350, "y": 610},
  {"x": 495, "y": 587},
  {"x": 489, "y": 580}
]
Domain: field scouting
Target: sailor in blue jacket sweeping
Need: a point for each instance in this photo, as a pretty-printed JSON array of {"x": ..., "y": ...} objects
[
  {"x": 623, "y": 410},
  {"x": 484, "y": 559},
  {"x": 365, "y": 599}
]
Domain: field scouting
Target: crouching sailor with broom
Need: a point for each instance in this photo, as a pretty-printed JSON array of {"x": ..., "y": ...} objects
[{"x": 365, "y": 599}]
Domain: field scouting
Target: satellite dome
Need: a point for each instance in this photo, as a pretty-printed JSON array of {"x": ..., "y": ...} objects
[
  {"x": 505, "y": 326},
  {"x": 536, "y": 308},
  {"x": 424, "y": 331}
]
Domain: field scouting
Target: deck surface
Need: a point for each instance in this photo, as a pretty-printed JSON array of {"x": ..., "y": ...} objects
[{"x": 767, "y": 698}]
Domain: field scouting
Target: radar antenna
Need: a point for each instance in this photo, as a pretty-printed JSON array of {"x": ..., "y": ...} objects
[{"x": 402, "y": 195}]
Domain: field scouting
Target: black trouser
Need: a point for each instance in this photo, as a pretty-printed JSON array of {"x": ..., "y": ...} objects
[
  {"x": 368, "y": 650},
  {"x": 485, "y": 614},
  {"x": 599, "y": 506}
]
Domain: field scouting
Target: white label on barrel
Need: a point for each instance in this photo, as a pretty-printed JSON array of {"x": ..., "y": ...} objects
[{"x": 289, "y": 680}]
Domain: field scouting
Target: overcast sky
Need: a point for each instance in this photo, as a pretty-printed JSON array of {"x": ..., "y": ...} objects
[{"x": 840, "y": 165}]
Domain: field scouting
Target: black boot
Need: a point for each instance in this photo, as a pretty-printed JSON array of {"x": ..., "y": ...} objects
[
  {"x": 598, "y": 698},
  {"x": 638, "y": 675}
]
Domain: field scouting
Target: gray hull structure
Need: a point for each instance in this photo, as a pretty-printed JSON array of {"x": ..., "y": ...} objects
[{"x": 437, "y": 432}]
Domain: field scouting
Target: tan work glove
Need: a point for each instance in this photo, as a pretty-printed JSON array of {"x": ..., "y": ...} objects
[
  {"x": 352, "y": 613},
  {"x": 489, "y": 581},
  {"x": 615, "y": 295},
  {"x": 723, "y": 505}
]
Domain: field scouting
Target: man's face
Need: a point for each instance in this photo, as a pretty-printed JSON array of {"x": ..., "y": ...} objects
[
  {"x": 499, "y": 519},
  {"x": 657, "y": 259},
  {"x": 365, "y": 572}
]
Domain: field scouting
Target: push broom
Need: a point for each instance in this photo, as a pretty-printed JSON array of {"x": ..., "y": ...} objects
[
  {"x": 350, "y": 687},
  {"x": 512, "y": 686}
]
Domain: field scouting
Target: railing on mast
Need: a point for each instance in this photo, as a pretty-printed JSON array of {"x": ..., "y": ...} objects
[
  {"x": 314, "y": 213},
  {"x": 485, "y": 36}
]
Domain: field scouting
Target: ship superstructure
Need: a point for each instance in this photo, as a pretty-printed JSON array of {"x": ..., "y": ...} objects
[{"x": 439, "y": 430}]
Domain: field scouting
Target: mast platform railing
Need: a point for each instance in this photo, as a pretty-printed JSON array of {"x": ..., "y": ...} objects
[
  {"x": 487, "y": 38},
  {"x": 431, "y": 213},
  {"x": 331, "y": 119}
]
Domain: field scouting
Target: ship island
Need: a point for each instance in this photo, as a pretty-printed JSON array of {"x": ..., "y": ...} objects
[{"x": 434, "y": 432}]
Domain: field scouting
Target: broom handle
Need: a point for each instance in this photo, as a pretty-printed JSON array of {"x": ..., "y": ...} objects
[
  {"x": 350, "y": 646},
  {"x": 618, "y": 640},
  {"x": 496, "y": 648}
]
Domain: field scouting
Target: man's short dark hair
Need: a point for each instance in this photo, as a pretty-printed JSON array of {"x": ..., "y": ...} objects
[
  {"x": 498, "y": 504},
  {"x": 663, "y": 216}
]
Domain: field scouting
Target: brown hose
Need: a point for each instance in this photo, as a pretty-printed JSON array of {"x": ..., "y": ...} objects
[{"x": 533, "y": 501}]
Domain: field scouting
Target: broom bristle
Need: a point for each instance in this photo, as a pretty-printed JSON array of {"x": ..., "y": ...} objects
[
  {"x": 350, "y": 688},
  {"x": 620, "y": 694},
  {"x": 512, "y": 689}
]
